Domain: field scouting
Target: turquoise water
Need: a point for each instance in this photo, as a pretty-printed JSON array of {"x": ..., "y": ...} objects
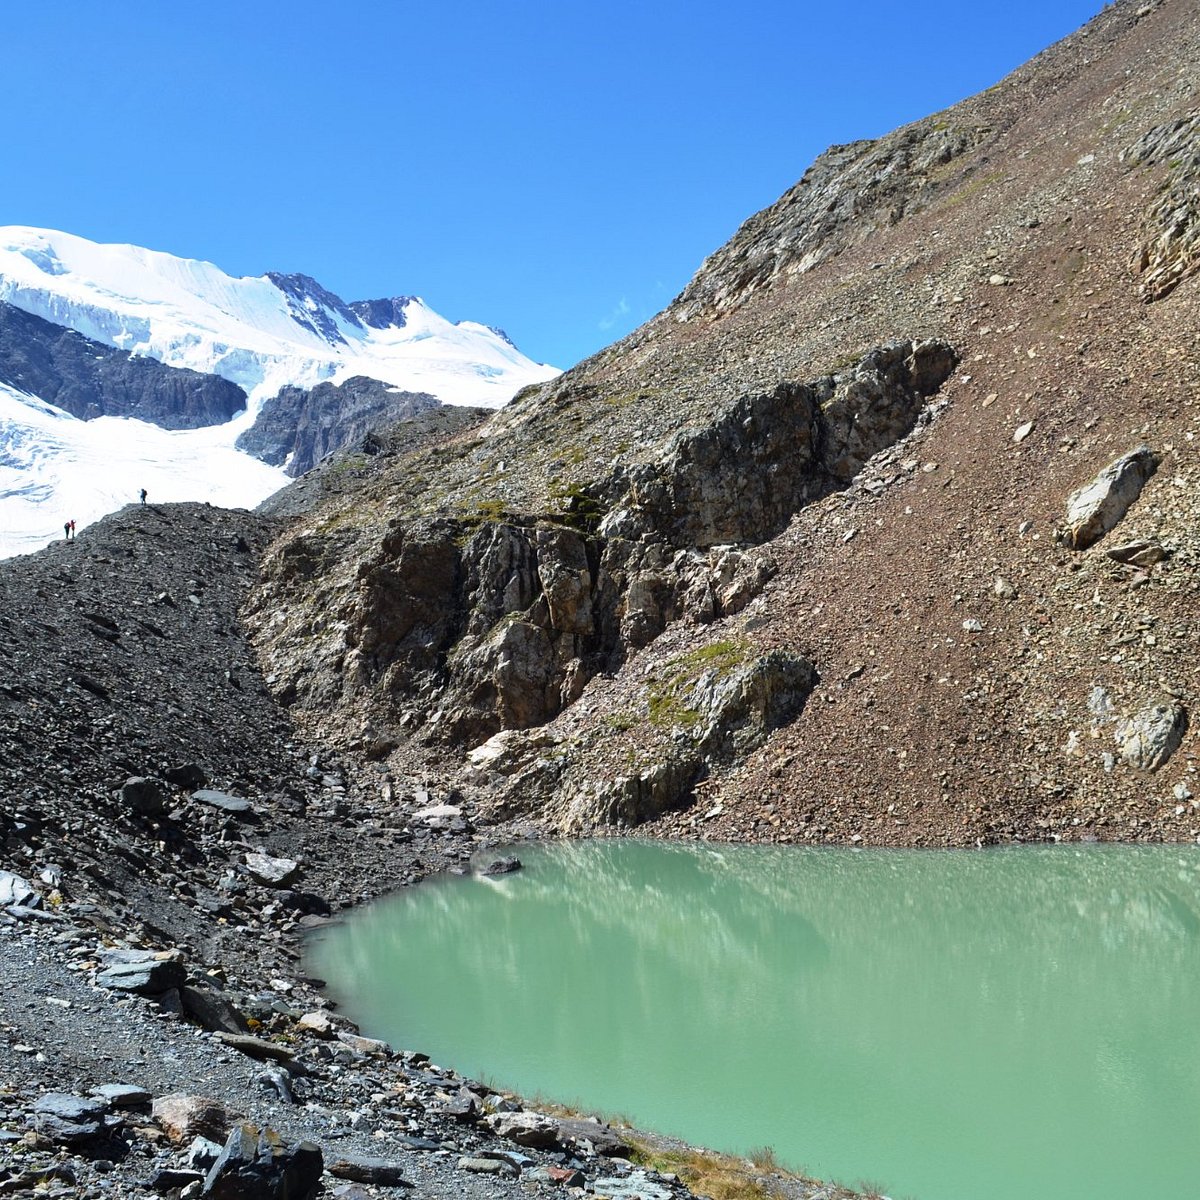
[{"x": 1017, "y": 1024}]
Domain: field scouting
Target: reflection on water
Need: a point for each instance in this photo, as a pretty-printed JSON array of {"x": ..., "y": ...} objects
[{"x": 987, "y": 1024}]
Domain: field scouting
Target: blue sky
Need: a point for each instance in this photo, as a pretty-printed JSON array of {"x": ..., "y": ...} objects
[{"x": 555, "y": 168}]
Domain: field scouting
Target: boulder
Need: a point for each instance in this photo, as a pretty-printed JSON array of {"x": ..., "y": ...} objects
[
  {"x": 183, "y": 1118},
  {"x": 144, "y": 795},
  {"x": 72, "y": 1120},
  {"x": 271, "y": 871},
  {"x": 525, "y": 1128},
  {"x": 1099, "y": 505},
  {"x": 17, "y": 891},
  {"x": 211, "y": 1010},
  {"x": 1150, "y": 736},
  {"x": 256, "y": 1164}
]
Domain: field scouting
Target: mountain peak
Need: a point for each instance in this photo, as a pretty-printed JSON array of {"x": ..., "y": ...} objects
[{"x": 388, "y": 313}]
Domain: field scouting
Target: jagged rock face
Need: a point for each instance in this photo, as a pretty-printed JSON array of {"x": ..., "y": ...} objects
[
  {"x": 710, "y": 707},
  {"x": 501, "y": 624},
  {"x": 313, "y": 307},
  {"x": 1170, "y": 250},
  {"x": 88, "y": 379},
  {"x": 741, "y": 477},
  {"x": 382, "y": 314},
  {"x": 300, "y": 428},
  {"x": 848, "y": 193}
]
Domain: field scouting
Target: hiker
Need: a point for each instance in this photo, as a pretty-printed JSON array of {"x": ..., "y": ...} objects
[
  {"x": 66, "y": 531},
  {"x": 143, "y": 494},
  {"x": 71, "y": 535}
]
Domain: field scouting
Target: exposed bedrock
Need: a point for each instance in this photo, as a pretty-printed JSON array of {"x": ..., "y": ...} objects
[{"x": 471, "y": 627}]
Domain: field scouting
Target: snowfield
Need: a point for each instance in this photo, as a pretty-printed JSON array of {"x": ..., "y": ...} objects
[{"x": 56, "y": 468}]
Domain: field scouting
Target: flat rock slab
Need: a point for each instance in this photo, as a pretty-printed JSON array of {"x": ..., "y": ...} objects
[
  {"x": 148, "y": 978},
  {"x": 487, "y": 1166},
  {"x": 256, "y": 1047},
  {"x": 121, "y": 1095},
  {"x": 226, "y": 802},
  {"x": 378, "y": 1171}
]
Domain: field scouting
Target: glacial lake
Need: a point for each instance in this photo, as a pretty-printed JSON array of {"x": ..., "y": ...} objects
[{"x": 945, "y": 1025}]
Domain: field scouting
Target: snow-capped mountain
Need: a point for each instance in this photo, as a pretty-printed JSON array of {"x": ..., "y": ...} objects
[
  {"x": 264, "y": 335},
  {"x": 261, "y": 333}
]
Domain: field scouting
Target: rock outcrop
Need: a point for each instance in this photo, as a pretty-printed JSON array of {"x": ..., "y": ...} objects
[
  {"x": 298, "y": 427},
  {"x": 1170, "y": 250},
  {"x": 89, "y": 379},
  {"x": 470, "y": 627}
]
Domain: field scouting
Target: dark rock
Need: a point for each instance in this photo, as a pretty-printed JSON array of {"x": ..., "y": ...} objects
[
  {"x": 257, "y": 1165},
  {"x": 90, "y": 379},
  {"x": 144, "y": 795},
  {"x": 501, "y": 866},
  {"x": 580, "y": 1134},
  {"x": 186, "y": 775},
  {"x": 72, "y": 1120},
  {"x": 302, "y": 427},
  {"x": 369, "y": 1170},
  {"x": 212, "y": 1011},
  {"x": 173, "y": 1179},
  {"x": 122, "y": 1095},
  {"x": 256, "y": 1047}
]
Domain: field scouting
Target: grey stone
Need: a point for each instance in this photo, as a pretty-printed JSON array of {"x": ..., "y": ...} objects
[
  {"x": 224, "y": 801},
  {"x": 271, "y": 871},
  {"x": 152, "y": 977},
  {"x": 17, "y": 891},
  {"x": 525, "y": 1128},
  {"x": 122, "y": 1095},
  {"x": 575, "y": 1132},
  {"x": 256, "y": 1047},
  {"x": 1150, "y": 736},
  {"x": 635, "y": 1186},
  {"x": 72, "y": 1120},
  {"x": 487, "y": 1166},
  {"x": 1097, "y": 506}
]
